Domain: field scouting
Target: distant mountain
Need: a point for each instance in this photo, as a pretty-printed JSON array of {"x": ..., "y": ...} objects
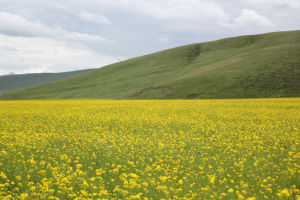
[
  {"x": 17, "y": 81},
  {"x": 253, "y": 66},
  {"x": 10, "y": 73}
]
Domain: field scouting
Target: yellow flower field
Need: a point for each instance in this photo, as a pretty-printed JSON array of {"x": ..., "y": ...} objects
[{"x": 177, "y": 149}]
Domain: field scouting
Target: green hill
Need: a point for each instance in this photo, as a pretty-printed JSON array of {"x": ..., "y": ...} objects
[
  {"x": 18, "y": 81},
  {"x": 265, "y": 65}
]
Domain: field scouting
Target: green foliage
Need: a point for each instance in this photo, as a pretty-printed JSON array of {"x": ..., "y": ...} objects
[{"x": 265, "y": 65}]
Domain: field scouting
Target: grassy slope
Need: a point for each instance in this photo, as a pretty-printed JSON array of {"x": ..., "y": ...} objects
[
  {"x": 18, "y": 81},
  {"x": 266, "y": 65}
]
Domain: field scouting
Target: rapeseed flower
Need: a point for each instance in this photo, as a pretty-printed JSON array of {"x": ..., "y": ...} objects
[{"x": 105, "y": 149}]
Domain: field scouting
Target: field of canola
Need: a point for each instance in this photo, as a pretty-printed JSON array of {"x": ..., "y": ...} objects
[{"x": 181, "y": 149}]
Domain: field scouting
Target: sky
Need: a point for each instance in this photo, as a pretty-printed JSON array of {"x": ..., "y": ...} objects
[{"x": 53, "y": 35}]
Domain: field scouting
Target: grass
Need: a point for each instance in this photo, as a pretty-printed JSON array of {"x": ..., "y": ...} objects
[
  {"x": 9, "y": 83},
  {"x": 265, "y": 65},
  {"x": 147, "y": 149}
]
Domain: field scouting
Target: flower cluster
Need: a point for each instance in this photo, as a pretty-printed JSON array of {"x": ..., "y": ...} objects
[{"x": 180, "y": 149}]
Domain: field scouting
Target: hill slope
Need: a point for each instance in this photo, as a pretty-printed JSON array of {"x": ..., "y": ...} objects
[
  {"x": 266, "y": 65},
  {"x": 18, "y": 81}
]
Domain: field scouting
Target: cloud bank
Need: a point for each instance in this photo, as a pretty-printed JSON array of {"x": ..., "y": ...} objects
[{"x": 39, "y": 36}]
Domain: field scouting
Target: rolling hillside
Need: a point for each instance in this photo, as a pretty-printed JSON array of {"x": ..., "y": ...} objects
[
  {"x": 266, "y": 65},
  {"x": 13, "y": 82}
]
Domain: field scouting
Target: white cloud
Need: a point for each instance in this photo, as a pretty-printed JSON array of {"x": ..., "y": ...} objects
[
  {"x": 178, "y": 9},
  {"x": 248, "y": 18},
  {"x": 37, "y": 54},
  {"x": 164, "y": 38},
  {"x": 94, "y": 18},
  {"x": 31, "y": 70},
  {"x": 3, "y": 72},
  {"x": 71, "y": 34},
  {"x": 15, "y": 25},
  {"x": 291, "y": 3}
]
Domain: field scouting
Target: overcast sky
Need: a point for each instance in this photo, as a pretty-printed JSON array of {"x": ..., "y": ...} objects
[{"x": 55, "y": 35}]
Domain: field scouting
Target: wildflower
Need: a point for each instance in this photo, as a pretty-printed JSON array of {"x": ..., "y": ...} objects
[
  {"x": 230, "y": 190},
  {"x": 163, "y": 178},
  {"x": 284, "y": 193},
  {"x": 180, "y": 182},
  {"x": 23, "y": 196},
  {"x": 212, "y": 179}
]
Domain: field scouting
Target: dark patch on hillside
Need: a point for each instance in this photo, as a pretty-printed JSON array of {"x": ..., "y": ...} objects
[
  {"x": 193, "y": 96},
  {"x": 140, "y": 92},
  {"x": 193, "y": 52}
]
